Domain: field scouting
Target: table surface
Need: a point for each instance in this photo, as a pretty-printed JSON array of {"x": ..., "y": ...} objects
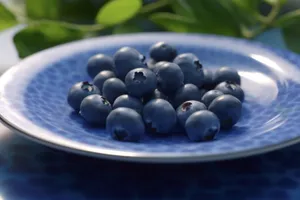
[{"x": 32, "y": 171}]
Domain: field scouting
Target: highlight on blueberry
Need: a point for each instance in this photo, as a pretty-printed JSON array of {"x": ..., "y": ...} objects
[
  {"x": 98, "y": 63},
  {"x": 127, "y": 59},
  {"x": 162, "y": 51},
  {"x": 125, "y": 124},
  {"x": 227, "y": 74},
  {"x": 202, "y": 126},
  {"x": 78, "y": 92},
  {"x": 128, "y": 102},
  {"x": 232, "y": 88},
  {"x": 95, "y": 109},
  {"x": 102, "y": 77}
]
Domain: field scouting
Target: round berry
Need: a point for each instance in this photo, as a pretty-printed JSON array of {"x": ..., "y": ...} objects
[
  {"x": 234, "y": 89},
  {"x": 187, "y": 109},
  {"x": 78, "y": 92},
  {"x": 227, "y": 74},
  {"x": 113, "y": 88},
  {"x": 228, "y": 109},
  {"x": 169, "y": 78},
  {"x": 156, "y": 94},
  {"x": 202, "y": 126},
  {"x": 98, "y": 63},
  {"x": 157, "y": 65},
  {"x": 209, "y": 96},
  {"x": 162, "y": 51},
  {"x": 186, "y": 93},
  {"x": 140, "y": 82},
  {"x": 125, "y": 124},
  {"x": 159, "y": 116},
  {"x": 128, "y": 102},
  {"x": 151, "y": 64},
  {"x": 102, "y": 77},
  {"x": 191, "y": 68},
  {"x": 127, "y": 59},
  {"x": 209, "y": 82},
  {"x": 95, "y": 109}
]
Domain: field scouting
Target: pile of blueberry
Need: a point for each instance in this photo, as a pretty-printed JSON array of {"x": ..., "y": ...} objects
[{"x": 131, "y": 97}]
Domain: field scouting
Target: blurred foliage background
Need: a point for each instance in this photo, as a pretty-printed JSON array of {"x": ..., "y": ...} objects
[{"x": 53, "y": 22}]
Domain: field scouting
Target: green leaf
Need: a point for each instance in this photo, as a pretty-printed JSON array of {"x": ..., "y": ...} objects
[
  {"x": 273, "y": 2},
  {"x": 75, "y": 11},
  {"x": 216, "y": 17},
  {"x": 288, "y": 19},
  {"x": 180, "y": 7},
  {"x": 7, "y": 18},
  {"x": 172, "y": 22},
  {"x": 117, "y": 11},
  {"x": 40, "y": 36},
  {"x": 43, "y": 9},
  {"x": 126, "y": 28},
  {"x": 290, "y": 24}
]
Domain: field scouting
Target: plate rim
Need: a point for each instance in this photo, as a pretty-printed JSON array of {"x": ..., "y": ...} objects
[{"x": 149, "y": 157}]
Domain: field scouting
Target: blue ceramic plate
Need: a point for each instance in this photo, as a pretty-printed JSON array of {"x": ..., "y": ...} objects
[{"x": 33, "y": 99}]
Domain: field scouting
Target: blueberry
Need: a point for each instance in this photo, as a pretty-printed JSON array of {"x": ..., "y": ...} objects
[
  {"x": 234, "y": 89},
  {"x": 209, "y": 96},
  {"x": 228, "y": 109},
  {"x": 125, "y": 124},
  {"x": 156, "y": 66},
  {"x": 227, "y": 74},
  {"x": 209, "y": 82},
  {"x": 128, "y": 102},
  {"x": 151, "y": 64},
  {"x": 102, "y": 77},
  {"x": 156, "y": 94},
  {"x": 113, "y": 88},
  {"x": 98, "y": 63},
  {"x": 127, "y": 59},
  {"x": 95, "y": 109},
  {"x": 202, "y": 126},
  {"x": 78, "y": 92},
  {"x": 169, "y": 78},
  {"x": 140, "y": 82},
  {"x": 191, "y": 68},
  {"x": 159, "y": 116},
  {"x": 186, "y": 93},
  {"x": 187, "y": 109},
  {"x": 162, "y": 51}
]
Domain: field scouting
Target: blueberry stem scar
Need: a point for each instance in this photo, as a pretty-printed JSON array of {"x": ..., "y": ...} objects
[
  {"x": 139, "y": 77},
  {"x": 120, "y": 134},
  {"x": 198, "y": 65},
  {"x": 186, "y": 106},
  {"x": 87, "y": 86}
]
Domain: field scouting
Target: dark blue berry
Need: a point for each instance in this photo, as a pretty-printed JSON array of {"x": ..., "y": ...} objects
[
  {"x": 202, "y": 126},
  {"x": 209, "y": 96},
  {"x": 228, "y": 109},
  {"x": 169, "y": 78},
  {"x": 156, "y": 94},
  {"x": 191, "y": 68},
  {"x": 140, "y": 82},
  {"x": 155, "y": 67},
  {"x": 186, "y": 93},
  {"x": 209, "y": 82},
  {"x": 231, "y": 88},
  {"x": 102, "y": 77},
  {"x": 159, "y": 116},
  {"x": 128, "y": 102},
  {"x": 187, "y": 109},
  {"x": 78, "y": 92},
  {"x": 227, "y": 74},
  {"x": 98, "y": 63},
  {"x": 127, "y": 59},
  {"x": 151, "y": 64},
  {"x": 113, "y": 88},
  {"x": 162, "y": 51},
  {"x": 125, "y": 124},
  {"x": 95, "y": 109}
]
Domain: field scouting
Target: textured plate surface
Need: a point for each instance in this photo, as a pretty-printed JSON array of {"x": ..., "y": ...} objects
[{"x": 33, "y": 99}]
